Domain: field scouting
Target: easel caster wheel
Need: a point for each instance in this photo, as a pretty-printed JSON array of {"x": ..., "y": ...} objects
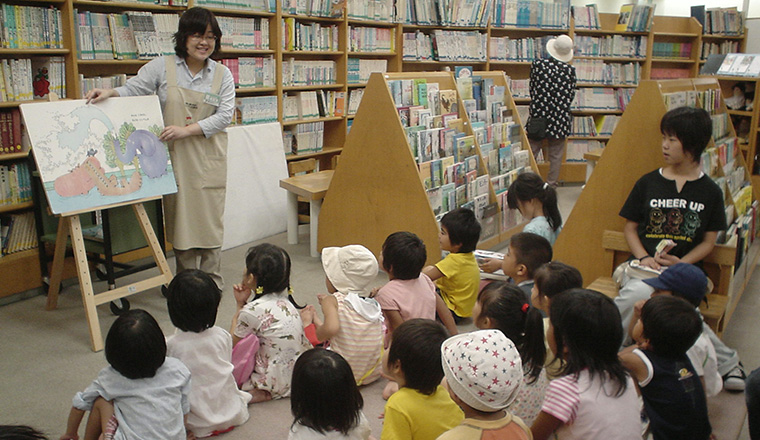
[
  {"x": 119, "y": 306},
  {"x": 164, "y": 290},
  {"x": 100, "y": 272}
]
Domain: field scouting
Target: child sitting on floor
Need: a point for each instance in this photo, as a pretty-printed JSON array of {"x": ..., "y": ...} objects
[
  {"x": 525, "y": 254},
  {"x": 142, "y": 394},
  {"x": 216, "y": 403},
  {"x": 457, "y": 276},
  {"x": 421, "y": 409},
  {"x": 483, "y": 397},
  {"x": 353, "y": 325},
  {"x": 674, "y": 399},
  {"x": 272, "y": 317}
]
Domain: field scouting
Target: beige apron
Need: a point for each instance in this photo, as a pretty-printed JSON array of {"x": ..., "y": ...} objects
[{"x": 194, "y": 214}]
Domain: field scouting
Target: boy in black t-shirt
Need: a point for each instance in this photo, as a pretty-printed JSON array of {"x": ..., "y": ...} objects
[{"x": 677, "y": 202}]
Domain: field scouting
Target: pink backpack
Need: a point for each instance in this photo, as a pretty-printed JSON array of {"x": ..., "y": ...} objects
[{"x": 244, "y": 358}]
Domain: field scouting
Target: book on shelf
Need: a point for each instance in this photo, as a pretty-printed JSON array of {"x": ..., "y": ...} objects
[
  {"x": 244, "y": 33},
  {"x": 30, "y": 27},
  {"x": 25, "y": 79},
  {"x": 255, "y": 110},
  {"x": 307, "y": 72},
  {"x": 374, "y": 10},
  {"x": 252, "y": 71},
  {"x": 359, "y": 69},
  {"x": 354, "y": 99},
  {"x": 11, "y": 130},
  {"x": 634, "y": 18},
  {"x": 305, "y": 36},
  {"x": 629, "y": 46},
  {"x": 317, "y": 8},
  {"x": 723, "y": 21},
  {"x": 304, "y": 138},
  {"x": 15, "y": 184},
  {"x": 371, "y": 39},
  {"x": 17, "y": 232},
  {"x": 740, "y": 64},
  {"x": 586, "y": 17},
  {"x": 525, "y": 13},
  {"x": 669, "y": 73}
]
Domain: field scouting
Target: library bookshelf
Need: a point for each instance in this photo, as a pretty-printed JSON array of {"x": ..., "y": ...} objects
[
  {"x": 377, "y": 189},
  {"x": 637, "y": 144}
]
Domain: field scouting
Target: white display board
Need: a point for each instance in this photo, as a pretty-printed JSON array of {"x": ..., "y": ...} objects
[{"x": 256, "y": 206}]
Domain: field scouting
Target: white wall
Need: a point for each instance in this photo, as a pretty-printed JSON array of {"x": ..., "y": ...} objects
[{"x": 675, "y": 7}]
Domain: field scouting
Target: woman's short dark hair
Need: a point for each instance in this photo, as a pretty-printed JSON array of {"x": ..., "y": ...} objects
[
  {"x": 193, "y": 299},
  {"x": 692, "y": 126},
  {"x": 404, "y": 254},
  {"x": 135, "y": 345},
  {"x": 324, "y": 395},
  {"x": 195, "y": 21},
  {"x": 417, "y": 344}
]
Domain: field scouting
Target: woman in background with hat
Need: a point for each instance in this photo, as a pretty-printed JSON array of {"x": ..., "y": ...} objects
[{"x": 552, "y": 89}]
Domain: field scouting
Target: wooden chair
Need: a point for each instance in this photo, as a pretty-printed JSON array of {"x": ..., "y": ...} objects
[
  {"x": 719, "y": 266},
  {"x": 297, "y": 167}
]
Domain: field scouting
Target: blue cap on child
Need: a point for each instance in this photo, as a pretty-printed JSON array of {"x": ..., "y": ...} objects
[{"x": 683, "y": 278}]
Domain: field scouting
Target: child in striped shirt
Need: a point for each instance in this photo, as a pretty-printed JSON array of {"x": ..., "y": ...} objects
[{"x": 353, "y": 325}]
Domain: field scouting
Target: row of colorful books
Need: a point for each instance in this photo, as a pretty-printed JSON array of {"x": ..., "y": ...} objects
[
  {"x": 602, "y": 125},
  {"x": 316, "y": 8},
  {"x": 635, "y": 17},
  {"x": 445, "y": 45},
  {"x": 719, "y": 48},
  {"x": 373, "y": 10},
  {"x": 720, "y": 21},
  {"x": 17, "y": 233},
  {"x": 30, "y": 27},
  {"x": 599, "y": 72},
  {"x": 671, "y": 50},
  {"x": 303, "y": 36},
  {"x": 131, "y": 35},
  {"x": 586, "y": 17},
  {"x": 600, "y": 98},
  {"x": 629, "y": 46},
  {"x": 359, "y": 69},
  {"x": 246, "y": 5},
  {"x": 304, "y": 138},
  {"x": 15, "y": 184},
  {"x": 517, "y": 49},
  {"x": 244, "y": 33},
  {"x": 252, "y": 71},
  {"x": 371, "y": 39},
  {"x": 25, "y": 79},
  {"x": 313, "y": 104},
  {"x": 101, "y": 82},
  {"x": 255, "y": 110},
  {"x": 307, "y": 72},
  {"x": 531, "y": 13},
  {"x": 10, "y": 131}
]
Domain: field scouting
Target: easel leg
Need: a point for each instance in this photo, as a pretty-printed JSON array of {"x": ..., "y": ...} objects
[
  {"x": 85, "y": 282},
  {"x": 153, "y": 243},
  {"x": 59, "y": 257}
]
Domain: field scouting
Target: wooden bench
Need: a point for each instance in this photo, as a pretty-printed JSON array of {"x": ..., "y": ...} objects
[{"x": 719, "y": 266}]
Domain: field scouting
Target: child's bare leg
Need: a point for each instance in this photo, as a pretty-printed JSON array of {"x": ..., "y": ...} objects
[
  {"x": 101, "y": 413},
  {"x": 260, "y": 396},
  {"x": 390, "y": 388}
]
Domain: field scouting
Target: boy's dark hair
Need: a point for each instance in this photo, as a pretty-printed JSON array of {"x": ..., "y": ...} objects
[
  {"x": 194, "y": 21},
  {"x": 324, "y": 395},
  {"x": 692, "y": 126},
  {"x": 507, "y": 307},
  {"x": 135, "y": 345},
  {"x": 671, "y": 324},
  {"x": 555, "y": 277},
  {"x": 193, "y": 299},
  {"x": 463, "y": 229},
  {"x": 404, "y": 255},
  {"x": 417, "y": 344},
  {"x": 531, "y": 250},
  {"x": 20, "y": 432},
  {"x": 529, "y": 186},
  {"x": 588, "y": 324}
]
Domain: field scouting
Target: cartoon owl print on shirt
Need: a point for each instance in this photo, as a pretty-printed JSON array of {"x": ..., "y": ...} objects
[
  {"x": 656, "y": 220},
  {"x": 674, "y": 220},
  {"x": 691, "y": 223}
]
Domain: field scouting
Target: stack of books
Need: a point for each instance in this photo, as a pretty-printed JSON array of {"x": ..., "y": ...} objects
[
  {"x": 371, "y": 39},
  {"x": 372, "y": 10},
  {"x": 30, "y": 27},
  {"x": 15, "y": 184},
  {"x": 308, "y": 36},
  {"x": 244, "y": 33},
  {"x": 17, "y": 233},
  {"x": 10, "y": 132},
  {"x": 359, "y": 69},
  {"x": 308, "y": 73},
  {"x": 251, "y": 71}
]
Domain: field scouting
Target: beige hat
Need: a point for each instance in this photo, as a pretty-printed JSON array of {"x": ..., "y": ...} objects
[
  {"x": 561, "y": 48},
  {"x": 349, "y": 268},
  {"x": 483, "y": 368}
]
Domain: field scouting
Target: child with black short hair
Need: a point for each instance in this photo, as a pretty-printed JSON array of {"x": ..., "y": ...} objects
[
  {"x": 142, "y": 394},
  {"x": 673, "y": 396},
  {"x": 20, "y": 432},
  {"x": 216, "y": 403},
  {"x": 550, "y": 280},
  {"x": 325, "y": 401},
  {"x": 457, "y": 276},
  {"x": 525, "y": 254},
  {"x": 484, "y": 397},
  {"x": 421, "y": 409}
]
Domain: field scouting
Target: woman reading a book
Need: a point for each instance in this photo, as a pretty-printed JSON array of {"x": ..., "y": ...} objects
[
  {"x": 197, "y": 97},
  {"x": 552, "y": 89}
]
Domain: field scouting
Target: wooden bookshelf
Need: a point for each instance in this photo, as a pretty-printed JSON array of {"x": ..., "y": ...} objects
[
  {"x": 375, "y": 195},
  {"x": 637, "y": 144}
]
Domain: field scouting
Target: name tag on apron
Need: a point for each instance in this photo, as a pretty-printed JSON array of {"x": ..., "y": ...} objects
[{"x": 212, "y": 99}]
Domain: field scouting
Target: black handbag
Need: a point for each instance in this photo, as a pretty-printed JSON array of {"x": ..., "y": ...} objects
[{"x": 535, "y": 128}]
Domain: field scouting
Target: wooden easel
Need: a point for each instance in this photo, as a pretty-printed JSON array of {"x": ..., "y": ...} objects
[{"x": 70, "y": 226}]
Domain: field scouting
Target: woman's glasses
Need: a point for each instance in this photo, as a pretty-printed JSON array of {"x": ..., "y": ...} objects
[{"x": 210, "y": 38}]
